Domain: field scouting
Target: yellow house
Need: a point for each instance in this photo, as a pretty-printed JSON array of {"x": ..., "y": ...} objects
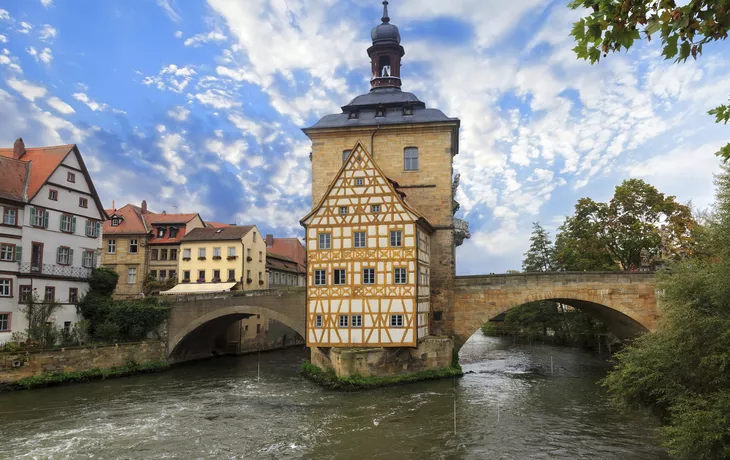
[
  {"x": 368, "y": 262},
  {"x": 215, "y": 259}
]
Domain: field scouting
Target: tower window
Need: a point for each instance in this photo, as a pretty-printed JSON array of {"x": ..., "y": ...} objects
[
  {"x": 407, "y": 110},
  {"x": 352, "y": 115},
  {"x": 379, "y": 111},
  {"x": 410, "y": 159},
  {"x": 345, "y": 154},
  {"x": 384, "y": 66}
]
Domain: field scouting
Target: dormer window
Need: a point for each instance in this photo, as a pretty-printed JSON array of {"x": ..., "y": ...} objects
[
  {"x": 173, "y": 232},
  {"x": 353, "y": 115},
  {"x": 116, "y": 221},
  {"x": 407, "y": 110},
  {"x": 379, "y": 111},
  {"x": 161, "y": 232}
]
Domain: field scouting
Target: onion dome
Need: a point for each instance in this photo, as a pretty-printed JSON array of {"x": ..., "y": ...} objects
[{"x": 385, "y": 32}]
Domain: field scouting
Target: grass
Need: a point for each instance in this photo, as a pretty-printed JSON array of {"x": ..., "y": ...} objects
[
  {"x": 62, "y": 378},
  {"x": 330, "y": 380}
]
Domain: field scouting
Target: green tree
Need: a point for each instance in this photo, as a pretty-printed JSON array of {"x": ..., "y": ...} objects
[
  {"x": 683, "y": 369},
  {"x": 541, "y": 255},
  {"x": 684, "y": 30},
  {"x": 607, "y": 236}
]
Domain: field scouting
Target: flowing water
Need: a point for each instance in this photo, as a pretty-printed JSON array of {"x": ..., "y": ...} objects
[{"x": 510, "y": 407}]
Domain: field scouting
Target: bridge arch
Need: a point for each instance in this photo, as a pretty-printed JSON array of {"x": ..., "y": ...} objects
[{"x": 625, "y": 302}]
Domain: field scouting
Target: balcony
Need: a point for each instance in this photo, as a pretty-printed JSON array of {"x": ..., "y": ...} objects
[
  {"x": 61, "y": 271},
  {"x": 461, "y": 232}
]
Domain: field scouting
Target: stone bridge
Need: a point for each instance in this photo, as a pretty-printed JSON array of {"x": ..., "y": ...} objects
[
  {"x": 625, "y": 302},
  {"x": 196, "y": 320}
]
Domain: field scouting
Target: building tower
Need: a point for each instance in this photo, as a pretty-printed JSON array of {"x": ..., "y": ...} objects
[{"x": 412, "y": 145}]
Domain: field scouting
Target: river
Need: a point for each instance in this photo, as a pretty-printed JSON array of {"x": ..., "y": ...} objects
[{"x": 510, "y": 407}]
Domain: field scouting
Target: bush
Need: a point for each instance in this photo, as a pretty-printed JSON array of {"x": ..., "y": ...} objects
[{"x": 107, "y": 332}]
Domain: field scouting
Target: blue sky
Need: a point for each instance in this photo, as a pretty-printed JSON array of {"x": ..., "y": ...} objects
[{"x": 196, "y": 106}]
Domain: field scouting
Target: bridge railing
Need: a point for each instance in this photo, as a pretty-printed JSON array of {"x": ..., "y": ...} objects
[{"x": 233, "y": 294}]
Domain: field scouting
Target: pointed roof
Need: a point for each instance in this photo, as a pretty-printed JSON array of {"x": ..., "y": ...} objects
[
  {"x": 13, "y": 177},
  {"x": 218, "y": 234},
  {"x": 132, "y": 221},
  {"x": 359, "y": 149}
]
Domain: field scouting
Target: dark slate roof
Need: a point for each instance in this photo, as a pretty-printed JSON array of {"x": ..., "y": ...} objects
[
  {"x": 218, "y": 234},
  {"x": 393, "y": 99}
]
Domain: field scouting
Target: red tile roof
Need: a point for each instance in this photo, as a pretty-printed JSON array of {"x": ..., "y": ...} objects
[
  {"x": 218, "y": 234},
  {"x": 283, "y": 263},
  {"x": 216, "y": 225},
  {"x": 291, "y": 248},
  {"x": 153, "y": 218},
  {"x": 132, "y": 223},
  {"x": 13, "y": 176},
  {"x": 45, "y": 161}
]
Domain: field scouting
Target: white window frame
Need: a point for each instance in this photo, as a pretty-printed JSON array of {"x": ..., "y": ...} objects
[
  {"x": 7, "y": 253},
  {"x": 133, "y": 244},
  {"x": 131, "y": 275},
  {"x": 10, "y": 216},
  {"x": 64, "y": 256},
  {"x": 366, "y": 279},
  {"x": 375, "y": 208},
  {"x": 359, "y": 182},
  {"x": 5, "y": 319},
  {"x": 6, "y": 288},
  {"x": 340, "y": 276},
  {"x": 216, "y": 252},
  {"x": 320, "y": 277},
  {"x": 396, "y": 320},
  {"x": 38, "y": 215},
  {"x": 87, "y": 259},
  {"x": 231, "y": 251},
  {"x": 201, "y": 252},
  {"x": 67, "y": 223},
  {"x": 363, "y": 243},
  {"x": 343, "y": 210},
  {"x": 396, "y": 238},
  {"x": 343, "y": 321},
  {"x": 345, "y": 155},
  {"x": 356, "y": 321},
  {"x": 324, "y": 241},
  {"x": 410, "y": 160},
  {"x": 187, "y": 253},
  {"x": 318, "y": 321},
  {"x": 400, "y": 275}
]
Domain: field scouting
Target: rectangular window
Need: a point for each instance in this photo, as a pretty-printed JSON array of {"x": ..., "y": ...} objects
[
  {"x": 343, "y": 210},
  {"x": 26, "y": 294},
  {"x": 163, "y": 275},
  {"x": 67, "y": 327},
  {"x": 340, "y": 276},
  {"x": 53, "y": 195},
  {"x": 73, "y": 295},
  {"x": 154, "y": 254},
  {"x": 38, "y": 217},
  {"x": 186, "y": 254},
  {"x": 161, "y": 232},
  {"x": 258, "y": 328},
  {"x": 173, "y": 254},
  {"x": 116, "y": 221},
  {"x": 172, "y": 274},
  {"x": 254, "y": 237},
  {"x": 345, "y": 154},
  {"x": 50, "y": 294},
  {"x": 216, "y": 252},
  {"x": 376, "y": 208},
  {"x": 400, "y": 276},
  {"x": 131, "y": 275},
  {"x": 67, "y": 223},
  {"x": 396, "y": 238},
  {"x": 10, "y": 216},
  {"x": 133, "y": 246},
  {"x": 71, "y": 177},
  {"x": 361, "y": 239},
  {"x": 359, "y": 182},
  {"x": 153, "y": 274},
  {"x": 6, "y": 288},
  {"x": 248, "y": 253},
  {"x": 216, "y": 275},
  {"x": 318, "y": 321},
  {"x": 201, "y": 253},
  {"x": 248, "y": 276},
  {"x": 88, "y": 259},
  {"x": 368, "y": 276},
  {"x": 63, "y": 256},
  {"x": 320, "y": 278},
  {"x": 186, "y": 275},
  {"x": 7, "y": 252},
  {"x": 396, "y": 320},
  {"x": 93, "y": 228},
  {"x": 276, "y": 277},
  {"x": 232, "y": 251},
  {"x": 261, "y": 276},
  {"x": 356, "y": 321},
  {"x": 4, "y": 322},
  {"x": 231, "y": 275},
  {"x": 83, "y": 202},
  {"x": 163, "y": 254},
  {"x": 261, "y": 256},
  {"x": 201, "y": 276},
  {"x": 325, "y": 241},
  {"x": 173, "y": 232},
  {"x": 410, "y": 159},
  {"x": 343, "y": 320}
]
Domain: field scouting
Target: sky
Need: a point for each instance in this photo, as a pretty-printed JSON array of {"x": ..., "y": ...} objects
[{"x": 197, "y": 106}]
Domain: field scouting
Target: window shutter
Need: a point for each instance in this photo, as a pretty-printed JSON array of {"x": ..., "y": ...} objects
[
  {"x": 58, "y": 255},
  {"x": 63, "y": 221},
  {"x": 98, "y": 229},
  {"x": 70, "y": 256},
  {"x": 73, "y": 224},
  {"x": 32, "y": 216},
  {"x": 45, "y": 219},
  {"x": 18, "y": 253},
  {"x": 93, "y": 259}
]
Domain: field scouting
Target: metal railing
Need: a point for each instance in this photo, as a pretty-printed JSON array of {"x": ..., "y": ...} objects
[{"x": 64, "y": 271}]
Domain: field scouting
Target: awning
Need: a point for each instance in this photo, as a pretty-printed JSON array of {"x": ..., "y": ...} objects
[{"x": 198, "y": 288}]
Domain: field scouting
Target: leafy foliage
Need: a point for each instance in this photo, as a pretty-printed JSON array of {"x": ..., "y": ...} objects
[
  {"x": 541, "y": 255},
  {"x": 683, "y": 369},
  {"x": 60, "y": 378},
  {"x": 683, "y": 30},
  {"x": 330, "y": 380},
  {"x": 611, "y": 236}
]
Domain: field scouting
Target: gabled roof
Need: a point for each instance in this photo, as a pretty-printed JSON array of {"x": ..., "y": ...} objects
[
  {"x": 359, "y": 149},
  {"x": 216, "y": 225},
  {"x": 218, "y": 234},
  {"x": 291, "y": 248},
  {"x": 153, "y": 218},
  {"x": 43, "y": 162},
  {"x": 282, "y": 263},
  {"x": 13, "y": 178},
  {"x": 132, "y": 221}
]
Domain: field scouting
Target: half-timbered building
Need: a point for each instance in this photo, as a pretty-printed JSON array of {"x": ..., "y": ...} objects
[{"x": 368, "y": 261}]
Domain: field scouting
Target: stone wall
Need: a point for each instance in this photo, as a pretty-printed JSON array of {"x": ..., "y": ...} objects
[
  {"x": 625, "y": 302},
  {"x": 77, "y": 359},
  {"x": 121, "y": 260},
  {"x": 433, "y": 353}
]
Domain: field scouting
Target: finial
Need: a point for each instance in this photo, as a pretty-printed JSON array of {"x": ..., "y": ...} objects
[{"x": 385, "y": 18}]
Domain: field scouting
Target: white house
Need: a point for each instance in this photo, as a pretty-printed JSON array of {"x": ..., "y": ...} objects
[{"x": 50, "y": 234}]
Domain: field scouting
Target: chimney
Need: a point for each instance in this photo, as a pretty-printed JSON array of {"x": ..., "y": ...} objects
[
  {"x": 144, "y": 206},
  {"x": 164, "y": 213},
  {"x": 269, "y": 240},
  {"x": 18, "y": 148}
]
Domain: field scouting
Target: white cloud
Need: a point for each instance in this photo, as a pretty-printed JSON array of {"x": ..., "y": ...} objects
[
  {"x": 172, "y": 78},
  {"x": 3, "y": 39},
  {"x": 94, "y": 105},
  {"x": 25, "y": 27},
  {"x": 45, "y": 56},
  {"x": 172, "y": 146},
  {"x": 47, "y": 3},
  {"x": 27, "y": 89},
  {"x": 168, "y": 7},
  {"x": 8, "y": 61},
  {"x": 199, "y": 39},
  {"x": 4, "y": 15},
  {"x": 179, "y": 113},
  {"x": 178, "y": 34},
  {"x": 47, "y": 32},
  {"x": 60, "y": 106},
  {"x": 216, "y": 98}
]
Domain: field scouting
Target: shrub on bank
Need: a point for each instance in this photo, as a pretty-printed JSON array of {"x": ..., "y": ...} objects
[{"x": 330, "y": 380}]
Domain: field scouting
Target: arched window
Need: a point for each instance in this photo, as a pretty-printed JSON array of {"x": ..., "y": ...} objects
[
  {"x": 345, "y": 154},
  {"x": 410, "y": 159}
]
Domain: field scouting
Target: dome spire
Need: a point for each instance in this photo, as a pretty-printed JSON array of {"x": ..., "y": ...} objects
[{"x": 385, "y": 18}]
